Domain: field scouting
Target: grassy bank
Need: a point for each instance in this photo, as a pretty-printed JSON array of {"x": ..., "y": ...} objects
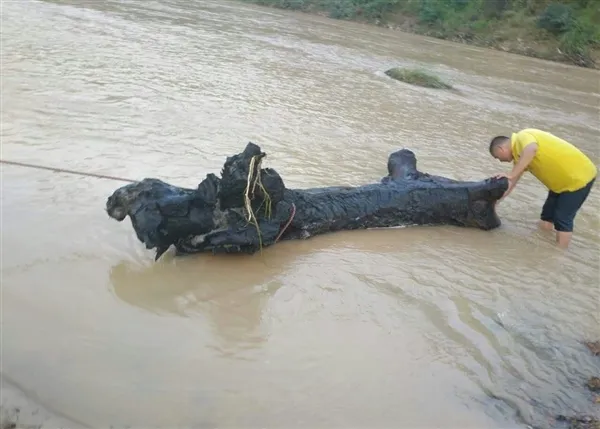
[{"x": 560, "y": 30}]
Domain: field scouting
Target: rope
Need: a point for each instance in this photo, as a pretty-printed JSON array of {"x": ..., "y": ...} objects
[
  {"x": 121, "y": 179},
  {"x": 288, "y": 223},
  {"x": 63, "y": 170}
]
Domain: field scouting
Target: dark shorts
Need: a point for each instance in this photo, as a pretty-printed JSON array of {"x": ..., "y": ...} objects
[{"x": 560, "y": 209}]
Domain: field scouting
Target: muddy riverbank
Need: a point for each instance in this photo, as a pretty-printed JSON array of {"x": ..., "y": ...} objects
[{"x": 567, "y": 33}]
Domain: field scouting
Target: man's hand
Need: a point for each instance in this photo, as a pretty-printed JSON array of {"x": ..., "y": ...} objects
[
  {"x": 528, "y": 153},
  {"x": 511, "y": 184}
]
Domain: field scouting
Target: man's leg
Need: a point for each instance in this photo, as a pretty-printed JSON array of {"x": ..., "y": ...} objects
[
  {"x": 567, "y": 206},
  {"x": 563, "y": 238},
  {"x": 547, "y": 215}
]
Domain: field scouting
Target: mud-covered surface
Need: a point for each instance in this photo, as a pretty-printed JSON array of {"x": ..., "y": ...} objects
[
  {"x": 593, "y": 384},
  {"x": 22, "y": 410},
  {"x": 585, "y": 422},
  {"x": 249, "y": 207},
  {"x": 10, "y": 419},
  {"x": 594, "y": 347}
]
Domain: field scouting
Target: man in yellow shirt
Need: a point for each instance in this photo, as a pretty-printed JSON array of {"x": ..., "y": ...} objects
[{"x": 566, "y": 171}]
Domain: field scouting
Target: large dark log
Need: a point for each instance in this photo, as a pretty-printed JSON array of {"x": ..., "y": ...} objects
[{"x": 214, "y": 216}]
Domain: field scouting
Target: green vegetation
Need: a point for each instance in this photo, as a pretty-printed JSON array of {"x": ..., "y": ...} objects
[
  {"x": 560, "y": 30},
  {"x": 417, "y": 77}
]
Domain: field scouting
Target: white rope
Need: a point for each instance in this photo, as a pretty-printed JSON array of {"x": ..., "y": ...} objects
[{"x": 63, "y": 170}]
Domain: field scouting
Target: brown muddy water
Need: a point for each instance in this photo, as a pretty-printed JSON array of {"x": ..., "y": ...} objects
[{"x": 416, "y": 328}]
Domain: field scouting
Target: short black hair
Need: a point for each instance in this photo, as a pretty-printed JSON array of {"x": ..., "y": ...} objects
[{"x": 497, "y": 141}]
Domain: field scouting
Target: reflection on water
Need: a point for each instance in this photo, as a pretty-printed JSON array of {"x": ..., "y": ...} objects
[
  {"x": 187, "y": 286},
  {"x": 361, "y": 328}
]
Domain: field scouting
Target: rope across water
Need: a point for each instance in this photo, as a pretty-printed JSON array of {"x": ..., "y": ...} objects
[{"x": 64, "y": 170}]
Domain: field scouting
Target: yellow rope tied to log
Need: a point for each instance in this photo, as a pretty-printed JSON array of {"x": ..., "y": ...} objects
[{"x": 252, "y": 181}]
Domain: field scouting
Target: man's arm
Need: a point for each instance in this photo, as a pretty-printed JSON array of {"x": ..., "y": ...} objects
[{"x": 527, "y": 155}]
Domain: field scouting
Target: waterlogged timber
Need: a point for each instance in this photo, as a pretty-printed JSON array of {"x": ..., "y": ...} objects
[
  {"x": 362, "y": 328},
  {"x": 249, "y": 207}
]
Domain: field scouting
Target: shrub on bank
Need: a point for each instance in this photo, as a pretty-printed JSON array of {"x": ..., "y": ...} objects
[
  {"x": 557, "y": 18},
  {"x": 577, "y": 42},
  {"x": 576, "y": 35}
]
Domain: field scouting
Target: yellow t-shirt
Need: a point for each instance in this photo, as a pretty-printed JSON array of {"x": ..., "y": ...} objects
[{"x": 559, "y": 165}]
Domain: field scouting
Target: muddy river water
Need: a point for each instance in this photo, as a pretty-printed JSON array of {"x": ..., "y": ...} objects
[{"x": 419, "y": 327}]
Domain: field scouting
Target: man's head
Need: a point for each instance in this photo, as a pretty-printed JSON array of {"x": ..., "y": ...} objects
[{"x": 500, "y": 148}]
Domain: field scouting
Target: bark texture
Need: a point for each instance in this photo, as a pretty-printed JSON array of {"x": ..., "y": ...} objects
[{"x": 216, "y": 217}]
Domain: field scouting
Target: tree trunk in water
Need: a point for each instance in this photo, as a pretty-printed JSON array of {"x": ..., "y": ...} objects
[{"x": 249, "y": 207}]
